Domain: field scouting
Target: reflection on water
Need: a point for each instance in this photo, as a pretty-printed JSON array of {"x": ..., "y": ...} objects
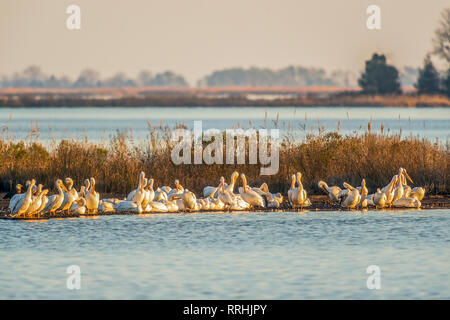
[
  {"x": 315, "y": 255},
  {"x": 98, "y": 123}
]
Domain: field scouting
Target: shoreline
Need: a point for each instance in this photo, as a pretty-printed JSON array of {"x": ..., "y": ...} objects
[
  {"x": 256, "y": 97},
  {"x": 319, "y": 203}
]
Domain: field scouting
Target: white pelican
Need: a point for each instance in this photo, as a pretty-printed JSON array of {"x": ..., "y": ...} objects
[
  {"x": 149, "y": 193},
  {"x": 128, "y": 206},
  {"x": 158, "y": 206},
  {"x": 228, "y": 198},
  {"x": 418, "y": 192},
  {"x": 189, "y": 200},
  {"x": 363, "y": 192},
  {"x": 209, "y": 189},
  {"x": 239, "y": 204},
  {"x": 379, "y": 199},
  {"x": 332, "y": 192},
  {"x": 22, "y": 204},
  {"x": 78, "y": 206},
  {"x": 17, "y": 196},
  {"x": 215, "y": 203},
  {"x": 70, "y": 196},
  {"x": 250, "y": 196},
  {"x": 36, "y": 201},
  {"x": 138, "y": 194},
  {"x": 55, "y": 201},
  {"x": 274, "y": 200},
  {"x": 106, "y": 206},
  {"x": 407, "y": 203},
  {"x": 297, "y": 195},
  {"x": 389, "y": 190},
  {"x": 178, "y": 189},
  {"x": 44, "y": 201},
  {"x": 399, "y": 191},
  {"x": 92, "y": 198},
  {"x": 160, "y": 195},
  {"x": 352, "y": 198}
]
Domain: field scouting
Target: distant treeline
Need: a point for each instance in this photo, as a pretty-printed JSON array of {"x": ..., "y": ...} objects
[{"x": 296, "y": 76}]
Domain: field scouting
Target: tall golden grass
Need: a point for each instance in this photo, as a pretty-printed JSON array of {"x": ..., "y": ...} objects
[{"x": 323, "y": 156}]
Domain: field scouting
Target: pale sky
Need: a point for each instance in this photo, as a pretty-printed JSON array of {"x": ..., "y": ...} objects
[{"x": 195, "y": 37}]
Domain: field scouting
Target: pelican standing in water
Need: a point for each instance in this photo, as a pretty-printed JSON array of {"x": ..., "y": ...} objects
[
  {"x": 363, "y": 192},
  {"x": 22, "y": 204},
  {"x": 149, "y": 193},
  {"x": 379, "y": 199},
  {"x": 389, "y": 190},
  {"x": 35, "y": 201},
  {"x": 353, "y": 197},
  {"x": 55, "y": 201},
  {"x": 250, "y": 196},
  {"x": 92, "y": 198},
  {"x": 17, "y": 196}
]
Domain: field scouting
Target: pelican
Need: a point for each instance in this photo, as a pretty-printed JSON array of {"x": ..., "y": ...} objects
[
  {"x": 17, "y": 196},
  {"x": 228, "y": 198},
  {"x": 297, "y": 195},
  {"x": 178, "y": 189},
  {"x": 36, "y": 201},
  {"x": 215, "y": 203},
  {"x": 363, "y": 192},
  {"x": 70, "y": 196},
  {"x": 399, "y": 191},
  {"x": 418, "y": 192},
  {"x": 189, "y": 200},
  {"x": 379, "y": 199},
  {"x": 138, "y": 194},
  {"x": 389, "y": 190},
  {"x": 92, "y": 198},
  {"x": 274, "y": 200},
  {"x": 149, "y": 194},
  {"x": 209, "y": 189},
  {"x": 158, "y": 206},
  {"x": 78, "y": 206},
  {"x": 24, "y": 201},
  {"x": 128, "y": 206},
  {"x": 353, "y": 197},
  {"x": 106, "y": 206},
  {"x": 166, "y": 189},
  {"x": 239, "y": 204},
  {"x": 250, "y": 196},
  {"x": 44, "y": 201},
  {"x": 55, "y": 201},
  {"x": 407, "y": 203},
  {"x": 332, "y": 192},
  {"x": 160, "y": 195}
]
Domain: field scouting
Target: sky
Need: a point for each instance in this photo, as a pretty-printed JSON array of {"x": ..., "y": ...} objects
[{"x": 196, "y": 37}]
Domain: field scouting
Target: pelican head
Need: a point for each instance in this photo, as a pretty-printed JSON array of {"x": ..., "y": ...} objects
[
  {"x": 403, "y": 170},
  {"x": 299, "y": 177},
  {"x": 348, "y": 186},
  {"x": 18, "y": 188},
  {"x": 234, "y": 176},
  {"x": 69, "y": 183}
]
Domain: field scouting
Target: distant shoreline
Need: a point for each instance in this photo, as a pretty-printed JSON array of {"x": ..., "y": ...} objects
[{"x": 212, "y": 97}]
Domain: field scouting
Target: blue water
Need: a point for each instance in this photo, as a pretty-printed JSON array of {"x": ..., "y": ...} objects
[
  {"x": 309, "y": 255},
  {"x": 100, "y": 123}
]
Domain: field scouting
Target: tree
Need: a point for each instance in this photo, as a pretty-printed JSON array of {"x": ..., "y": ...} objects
[
  {"x": 379, "y": 77},
  {"x": 441, "y": 40},
  {"x": 428, "y": 81},
  {"x": 446, "y": 84}
]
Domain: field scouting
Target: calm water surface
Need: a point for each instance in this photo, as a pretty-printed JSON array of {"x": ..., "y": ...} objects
[
  {"x": 310, "y": 255},
  {"x": 101, "y": 123}
]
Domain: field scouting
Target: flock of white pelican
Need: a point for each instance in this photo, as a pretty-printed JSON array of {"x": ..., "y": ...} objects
[
  {"x": 396, "y": 194},
  {"x": 144, "y": 199}
]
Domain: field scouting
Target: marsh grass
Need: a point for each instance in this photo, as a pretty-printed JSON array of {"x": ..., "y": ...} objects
[{"x": 327, "y": 156}]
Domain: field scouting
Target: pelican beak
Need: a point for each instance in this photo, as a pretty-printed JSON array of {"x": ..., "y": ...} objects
[
  {"x": 407, "y": 176},
  {"x": 64, "y": 187},
  {"x": 324, "y": 190}
]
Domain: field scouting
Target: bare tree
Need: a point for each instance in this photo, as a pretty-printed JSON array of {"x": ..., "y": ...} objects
[{"x": 441, "y": 41}]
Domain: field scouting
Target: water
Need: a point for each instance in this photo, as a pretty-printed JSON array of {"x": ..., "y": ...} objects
[
  {"x": 310, "y": 255},
  {"x": 101, "y": 123}
]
